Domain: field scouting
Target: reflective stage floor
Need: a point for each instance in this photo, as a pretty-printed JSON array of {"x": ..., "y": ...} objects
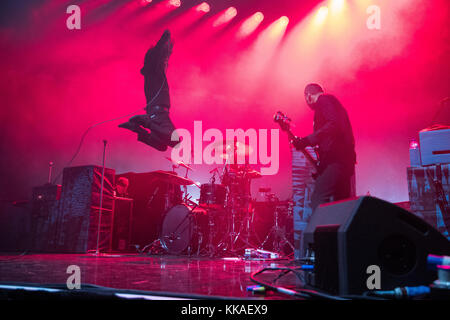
[{"x": 174, "y": 275}]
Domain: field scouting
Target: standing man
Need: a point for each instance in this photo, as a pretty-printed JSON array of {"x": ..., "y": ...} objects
[
  {"x": 336, "y": 146},
  {"x": 156, "y": 91}
]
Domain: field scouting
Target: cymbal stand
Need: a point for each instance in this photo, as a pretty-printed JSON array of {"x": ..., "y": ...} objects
[
  {"x": 279, "y": 235},
  {"x": 246, "y": 226},
  {"x": 210, "y": 249},
  {"x": 229, "y": 239},
  {"x": 185, "y": 186},
  {"x": 249, "y": 215},
  {"x": 159, "y": 245}
]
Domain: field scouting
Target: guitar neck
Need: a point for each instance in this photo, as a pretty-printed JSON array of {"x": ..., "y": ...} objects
[{"x": 284, "y": 123}]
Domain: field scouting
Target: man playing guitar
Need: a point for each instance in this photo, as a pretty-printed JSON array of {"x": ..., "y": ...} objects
[{"x": 336, "y": 146}]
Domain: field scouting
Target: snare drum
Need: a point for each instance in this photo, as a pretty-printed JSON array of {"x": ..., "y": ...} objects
[{"x": 212, "y": 195}]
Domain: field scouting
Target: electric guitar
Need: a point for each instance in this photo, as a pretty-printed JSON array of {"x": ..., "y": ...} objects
[{"x": 285, "y": 125}]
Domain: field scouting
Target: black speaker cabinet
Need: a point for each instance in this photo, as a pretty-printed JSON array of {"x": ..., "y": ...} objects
[
  {"x": 79, "y": 207},
  {"x": 349, "y": 236},
  {"x": 151, "y": 201},
  {"x": 122, "y": 224},
  {"x": 45, "y": 206}
]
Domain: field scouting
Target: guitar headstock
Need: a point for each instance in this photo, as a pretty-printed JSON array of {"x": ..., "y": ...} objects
[{"x": 282, "y": 120}]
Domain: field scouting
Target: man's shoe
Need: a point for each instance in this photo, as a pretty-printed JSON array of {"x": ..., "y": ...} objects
[
  {"x": 139, "y": 119},
  {"x": 145, "y": 138},
  {"x": 130, "y": 126}
]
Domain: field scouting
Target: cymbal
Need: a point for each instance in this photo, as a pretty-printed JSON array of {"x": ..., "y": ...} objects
[
  {"x": 172, "y": 177},
  {"x": 245, "y": 170},
  {"x": 242, "y": 149},
  {"x": 253, "y": 174},
  {"x": 180, "y": 164}
]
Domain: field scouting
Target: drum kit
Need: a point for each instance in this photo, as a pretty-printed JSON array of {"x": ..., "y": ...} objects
[{"x": 221, "y": 222}]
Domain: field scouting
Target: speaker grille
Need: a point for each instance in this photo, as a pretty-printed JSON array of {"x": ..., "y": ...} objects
[{"x": 397, "y": 255}]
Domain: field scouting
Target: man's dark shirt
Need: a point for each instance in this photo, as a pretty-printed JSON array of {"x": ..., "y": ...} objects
[
  {"x": 332, "y": 133},
  {"x": 155, "y": 74}
]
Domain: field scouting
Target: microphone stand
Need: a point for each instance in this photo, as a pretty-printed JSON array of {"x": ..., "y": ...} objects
[{"x": 50, "y": 166}]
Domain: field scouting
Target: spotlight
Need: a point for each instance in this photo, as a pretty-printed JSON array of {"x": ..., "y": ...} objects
[
  {"x": 250, "y": 24},
  {"x": 278, "y": 27},
  {"x": 258, "y": 17},
  {"x": 204, "y": 7},
  {"x": 225, "y": 17},
  {"x": 336, "y": 5},
  {"x": 321, "y": 15},
  {"x": 284, "y": 21},
  {"x": 175, "y": 3},
  {"x": 230, "y": 13}
]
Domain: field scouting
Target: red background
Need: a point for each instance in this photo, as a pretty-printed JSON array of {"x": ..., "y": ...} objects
[{"x": 56, "y": 82}]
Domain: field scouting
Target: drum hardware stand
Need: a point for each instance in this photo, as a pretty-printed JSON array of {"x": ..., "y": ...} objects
[
  {"x": 185, "y": 186},
  {"x": 210, "y": 249},
  {"x": 248, "y": 221},
  {"x": 152, "y": 197},
  {"x": 279, "y": 234},
  {"x": 210, "y": 246},
  {"x": 191, "y": 226},
  {"x": 156, "y": 247},
  {"x": 232, "y": 235},
  {"x": 199, "y": 242},
  {"x": 159, "y": 247},
  {"x": 246, "y": 225},
  {"x": 50, "y": 167}
]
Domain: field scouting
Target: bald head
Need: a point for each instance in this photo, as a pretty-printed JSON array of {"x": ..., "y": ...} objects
[{"x": 312, "y": 92}]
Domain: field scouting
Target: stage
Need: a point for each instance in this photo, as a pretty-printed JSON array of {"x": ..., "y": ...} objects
[
  {"x": 159, "y": 276},
  {"x": 162, "y": 149}
]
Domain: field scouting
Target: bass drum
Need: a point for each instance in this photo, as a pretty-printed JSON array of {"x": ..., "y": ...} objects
[{"x": 178, "y": 229}]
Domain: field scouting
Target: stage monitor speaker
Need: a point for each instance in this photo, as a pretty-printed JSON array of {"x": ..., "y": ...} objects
[{"x": 349, "y": 236}]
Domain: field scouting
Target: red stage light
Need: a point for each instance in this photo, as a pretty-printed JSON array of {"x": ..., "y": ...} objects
[
  {"x": 321, "y": 15},
  {"x": 231, "y": 13},
  {"x": 284, "y": 21},
  {"x": 225, "y": 17},
  {"x": 250, "y": 24},
  {"x": 204, "y": 7},
  {"x": 258, "y": 17},
  {"x": 336, "y": 5},
  {"x": 175, "y": 3},
  {"x": 278, "y": 27},
  {"x": 413, "y": 144}
]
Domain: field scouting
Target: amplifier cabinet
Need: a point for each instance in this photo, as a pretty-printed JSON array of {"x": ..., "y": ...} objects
[
  {"x": 424, "y": 198},
  {"x": 79, "y": 207},
  {"x": 434, "y": 146}
]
